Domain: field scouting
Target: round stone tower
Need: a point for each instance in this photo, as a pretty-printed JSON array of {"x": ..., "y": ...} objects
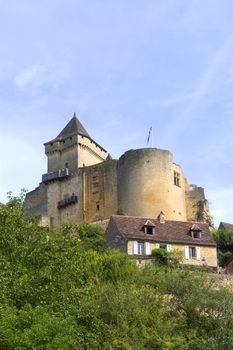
[{"x": 149, "y": 182}]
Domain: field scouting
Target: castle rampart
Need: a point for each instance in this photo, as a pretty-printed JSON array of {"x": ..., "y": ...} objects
[
  {"x": 82, "y": 185},
  {"x": 146, "y": 184}
]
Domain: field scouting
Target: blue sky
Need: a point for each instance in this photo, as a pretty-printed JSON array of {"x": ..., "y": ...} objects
[{"x": 122, "y": 66}]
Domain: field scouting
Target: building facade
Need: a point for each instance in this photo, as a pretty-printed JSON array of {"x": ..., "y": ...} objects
[
  {"x": 138, "y": 237},
  {"x": 83, "y": 183}
]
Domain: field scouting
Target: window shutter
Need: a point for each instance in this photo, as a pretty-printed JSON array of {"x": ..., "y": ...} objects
[
  {"x": 169, "y": 247},
  {"x": 135, "y": 247},
  {"x": 198, "y": 253},
  {"x": 157, "y": 245},
  {"x": 147, "y": 248},
  {"x": 186, "y": 252}
]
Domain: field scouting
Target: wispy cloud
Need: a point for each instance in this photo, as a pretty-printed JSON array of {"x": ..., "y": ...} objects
[
  {"x": 32, "y": 78},
  {"x": 206, "y": 87},
  {"x": 35, "y": 77}
]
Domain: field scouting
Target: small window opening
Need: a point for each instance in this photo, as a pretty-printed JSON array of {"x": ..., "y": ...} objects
[
  {"x": 141, "y": 248},
  {"x": 196, "y": 234},
  {"x": 97, "y": 206},
  {"x": 176, "y": 179},
  {"x": 192, "y": 252},
  {"x": 149, "y": 230}
]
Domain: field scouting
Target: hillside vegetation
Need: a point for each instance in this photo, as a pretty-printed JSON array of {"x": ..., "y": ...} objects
[{"x": 64, "y": 290}]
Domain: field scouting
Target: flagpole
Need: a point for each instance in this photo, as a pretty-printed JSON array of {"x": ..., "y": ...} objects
[{"x": 152, "y": 137}]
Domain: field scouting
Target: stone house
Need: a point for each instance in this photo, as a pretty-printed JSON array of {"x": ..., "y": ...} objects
[{"x": 138, "y": 236}]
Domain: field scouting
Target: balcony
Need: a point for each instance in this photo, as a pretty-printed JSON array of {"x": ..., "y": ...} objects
[
  {"x": 67, "y": 201},
  {"x": 55, "y": 175}
]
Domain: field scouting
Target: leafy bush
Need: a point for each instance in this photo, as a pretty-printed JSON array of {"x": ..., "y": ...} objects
[{"x": 62, "y": 290}]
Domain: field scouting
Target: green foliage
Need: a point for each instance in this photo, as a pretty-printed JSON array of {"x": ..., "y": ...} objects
[
  {"x": 35, "y": 328},
  {"x": 162, "y": 256},
  {"x": 63, "y": 290},
  {"x": 224, "y": 240},
  {"x": 120, "y": 211},
  {"x": 90, "y": 236}
]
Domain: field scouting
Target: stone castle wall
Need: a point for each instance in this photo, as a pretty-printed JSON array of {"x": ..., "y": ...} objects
[
  {"x": 146, "y": 184},
  {"x": 99, "y": 191},
  {"x": 89, "y": 153},
  {"x": 197, "y": 205},
  {"x": 141, "y": 183},
  {"x": 36, "y": 201}
]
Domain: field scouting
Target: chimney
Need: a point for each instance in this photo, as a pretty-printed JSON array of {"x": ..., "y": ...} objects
[{"x": 161, "y": 218}]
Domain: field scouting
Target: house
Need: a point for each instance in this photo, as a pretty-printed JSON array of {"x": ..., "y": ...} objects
[
  {"x": 138, "y": 236},
  {"x": 225, "y": 226}
]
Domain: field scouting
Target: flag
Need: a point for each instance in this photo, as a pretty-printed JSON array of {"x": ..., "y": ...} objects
[{"x": 148, "y": 138}]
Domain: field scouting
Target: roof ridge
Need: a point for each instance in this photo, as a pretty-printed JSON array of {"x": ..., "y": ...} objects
[{"x": 155, "y": 219}]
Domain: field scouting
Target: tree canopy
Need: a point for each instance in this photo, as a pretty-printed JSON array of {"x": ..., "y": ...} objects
[{"x": 65, "y": 290}]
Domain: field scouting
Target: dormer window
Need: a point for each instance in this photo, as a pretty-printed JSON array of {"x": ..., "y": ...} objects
[
  {"x": 149, "y": 227},
  {"x": 149, "y": 230},
  {"x": 195, "y": 231},
  {"x": 196, "y": 234}
]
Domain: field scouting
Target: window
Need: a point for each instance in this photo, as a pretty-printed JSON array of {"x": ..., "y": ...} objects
[
  {"x": 192, "y": 253},
  {"x": 176, "y": 178},
  {"x": 97, "y": 206},
  {"x": 141, "y": 248},
  {"x": 196, "y": 234},
  {"x": 164, "y": 246},
  {"x": 149, "y": 230}
]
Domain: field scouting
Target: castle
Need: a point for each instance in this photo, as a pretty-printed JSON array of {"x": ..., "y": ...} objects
[{"x": 84, "y": 184}]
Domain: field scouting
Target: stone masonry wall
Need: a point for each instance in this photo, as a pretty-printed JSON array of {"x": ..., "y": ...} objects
[
  {"x": 146, "y": 184},
  {"x": 197, "y": 206},
  {"x": 208, "y": 254},
  {"x": 36, "y": 201}
]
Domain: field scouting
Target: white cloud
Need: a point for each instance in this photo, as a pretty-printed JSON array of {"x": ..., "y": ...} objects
[
  {"x": 32, "y": 77},
  {"x": 208, "y": 86},
  {"x": 36, "y": 77}
]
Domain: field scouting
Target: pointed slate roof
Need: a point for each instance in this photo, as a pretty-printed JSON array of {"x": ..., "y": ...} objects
[{"x": 74, "y": 127}]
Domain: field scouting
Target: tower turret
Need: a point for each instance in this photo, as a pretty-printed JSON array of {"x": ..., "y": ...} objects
[{"x": 73, "y": 148}]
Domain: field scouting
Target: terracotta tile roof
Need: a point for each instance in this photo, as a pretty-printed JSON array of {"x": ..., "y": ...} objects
[
  {"x": 225, "y": 226},
  {"x": 132, "y": 227}
]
